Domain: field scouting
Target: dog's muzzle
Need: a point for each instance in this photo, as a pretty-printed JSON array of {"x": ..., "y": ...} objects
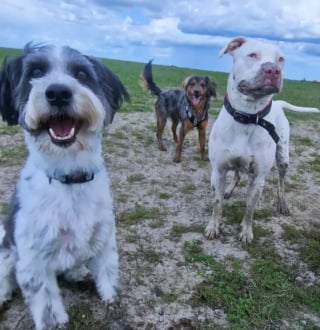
[
  {"x": 62, "y": 126},
  {"x": 266, "y": 82}
]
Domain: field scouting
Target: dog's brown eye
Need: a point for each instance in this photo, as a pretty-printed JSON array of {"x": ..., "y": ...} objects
[
  {"x": 37, "y": 73},
  {"x": 81, "y": 75}
]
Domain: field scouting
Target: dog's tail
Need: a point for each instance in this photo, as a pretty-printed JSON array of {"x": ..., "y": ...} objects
[
  {"x": 289, "y": 106},
  {"x": 147, "y": 80}
]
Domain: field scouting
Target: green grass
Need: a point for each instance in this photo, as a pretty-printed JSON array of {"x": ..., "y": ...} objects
[
  {"x": 308, "y": 242},
  {"x": 178, "y": 230},
  {"x": 137, "y": 214},
  {"x": 297, "y": 92},
  {"x": 82, "y": 317},
  {"x": 260, "y": 299},
  {"x": 315, "y": 163},
  {"x": 12, "y": 155}
]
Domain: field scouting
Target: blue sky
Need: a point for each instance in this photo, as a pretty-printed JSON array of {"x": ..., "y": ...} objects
[{"x": 185, "y": 33}]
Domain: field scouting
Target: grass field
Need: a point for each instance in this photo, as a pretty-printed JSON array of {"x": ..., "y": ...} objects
[
  {"x": 296, "y": 92},
  {"x": 274, "y": 283}
]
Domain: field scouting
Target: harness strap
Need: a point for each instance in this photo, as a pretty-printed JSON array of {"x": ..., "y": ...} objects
[
  {"x": 257, "y": 118},
  {"x": 194, "y": 120}
]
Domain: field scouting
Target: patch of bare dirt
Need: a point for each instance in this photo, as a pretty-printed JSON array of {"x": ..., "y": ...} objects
[{"x": 152, "y": 264}]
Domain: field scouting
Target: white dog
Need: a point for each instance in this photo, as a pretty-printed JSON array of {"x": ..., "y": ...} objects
[
  {"x": 251, "y": 130},
  {"x": 60, "y": 219}
]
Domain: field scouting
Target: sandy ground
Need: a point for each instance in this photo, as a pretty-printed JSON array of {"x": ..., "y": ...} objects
[{"x": 152, "y": 264}]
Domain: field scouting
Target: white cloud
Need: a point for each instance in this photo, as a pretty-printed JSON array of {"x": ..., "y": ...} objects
[{"x": 132, "y": 29}]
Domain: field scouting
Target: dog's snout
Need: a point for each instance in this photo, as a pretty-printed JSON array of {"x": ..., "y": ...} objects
[
  {"x": 58, "y": 95},
  {"x": 272, "y": 71},
  {"x": 196, "y": 93}
]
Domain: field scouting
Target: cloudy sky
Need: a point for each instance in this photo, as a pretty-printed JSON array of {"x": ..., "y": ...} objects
[{"x": 186, "y": 33}]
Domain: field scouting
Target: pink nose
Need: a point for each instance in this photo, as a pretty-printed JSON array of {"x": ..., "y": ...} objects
[{"x": 272, "y": 72}]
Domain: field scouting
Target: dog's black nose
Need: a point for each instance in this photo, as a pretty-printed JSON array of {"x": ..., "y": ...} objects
[{"x": 58, "y": 95}]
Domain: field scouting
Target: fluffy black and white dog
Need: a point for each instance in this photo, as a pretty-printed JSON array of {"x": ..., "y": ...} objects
[{"x": 60, "y": 218}]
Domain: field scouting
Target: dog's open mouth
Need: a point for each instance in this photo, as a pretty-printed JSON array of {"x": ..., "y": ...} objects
[
  {"x": 196, "y": 100},
  {"x": 63, "y": 129}
]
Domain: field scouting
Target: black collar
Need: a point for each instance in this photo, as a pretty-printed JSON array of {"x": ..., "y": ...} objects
[
  {"x": 76, "y": 177},
  {"x": 257, "y": 118}
]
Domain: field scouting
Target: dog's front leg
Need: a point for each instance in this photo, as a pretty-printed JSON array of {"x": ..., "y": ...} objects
[
  {"x": 7, "y": 278},
  {"x": 40, "y": 290},
  {"x": 186, "y": 126},
  {"x": 104, "y": 269},
  {"x": 202, "y": 139},
  {"x": 254, "y": 191},
  {"x": 218, "y": 182}
]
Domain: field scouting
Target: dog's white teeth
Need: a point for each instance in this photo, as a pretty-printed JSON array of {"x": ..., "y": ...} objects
[{"x": 61, "y": 138}]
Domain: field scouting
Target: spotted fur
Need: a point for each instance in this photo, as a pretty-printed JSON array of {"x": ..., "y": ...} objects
[{"x": 188, "y": 107}]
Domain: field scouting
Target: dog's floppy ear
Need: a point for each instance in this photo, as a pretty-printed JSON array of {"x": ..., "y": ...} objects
[
  {"x": 232, "y": 45},
  {"x": 112, "y": 87},
  {"x": 212, "y": 87},
  {"x": 186, "y": 81},
  {"x": 9, "y": 78}
]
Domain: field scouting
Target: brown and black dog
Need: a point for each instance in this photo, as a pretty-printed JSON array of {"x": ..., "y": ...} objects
[{"x": 189, "y": 106}]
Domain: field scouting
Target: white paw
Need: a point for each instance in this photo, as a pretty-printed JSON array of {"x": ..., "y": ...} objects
[
  {"x": 52, "y": 321},
  {"x": 109, "y": 294},
  {"x": 212, "y": 230},
  {"x": 246, "y": 235}
]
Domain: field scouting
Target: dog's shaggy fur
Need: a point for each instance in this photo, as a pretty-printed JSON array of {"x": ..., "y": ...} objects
[
  {"x": 60, "y": 218},
  {"x": 189, "y": 107}
]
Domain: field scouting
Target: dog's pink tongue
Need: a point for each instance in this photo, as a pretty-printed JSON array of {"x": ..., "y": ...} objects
[
  {"x": 61, "y": 126},
  {"x": 195, "y": 100}
]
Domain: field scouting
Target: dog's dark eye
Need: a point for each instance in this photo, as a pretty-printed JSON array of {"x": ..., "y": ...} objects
[
  {"x": 203, "y": 85},
  {"x": 81, "y": 75},
  {"x": 37, "y": 73},
  {"x": 281, "y": 59},
  {"x": 192, "y": 83},
  {"x": 253, "y": 55}
]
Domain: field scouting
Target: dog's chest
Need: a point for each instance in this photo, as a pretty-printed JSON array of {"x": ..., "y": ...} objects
[
  {"x": 70, "y": 223},
  {"x": 240, "y": 146}
]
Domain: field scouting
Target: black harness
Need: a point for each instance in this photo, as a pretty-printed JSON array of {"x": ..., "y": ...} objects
[
  {"x": 77, "y": 177},
  {"x": 257, "y": 118},
  {"x": 195, "y": 120}
]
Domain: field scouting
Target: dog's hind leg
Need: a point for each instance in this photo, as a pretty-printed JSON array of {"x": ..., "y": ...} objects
[
  {"x": 218, "y": 181},
  {"x": 161, "y": 123},
  {"x": 174, "y": 126}
]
